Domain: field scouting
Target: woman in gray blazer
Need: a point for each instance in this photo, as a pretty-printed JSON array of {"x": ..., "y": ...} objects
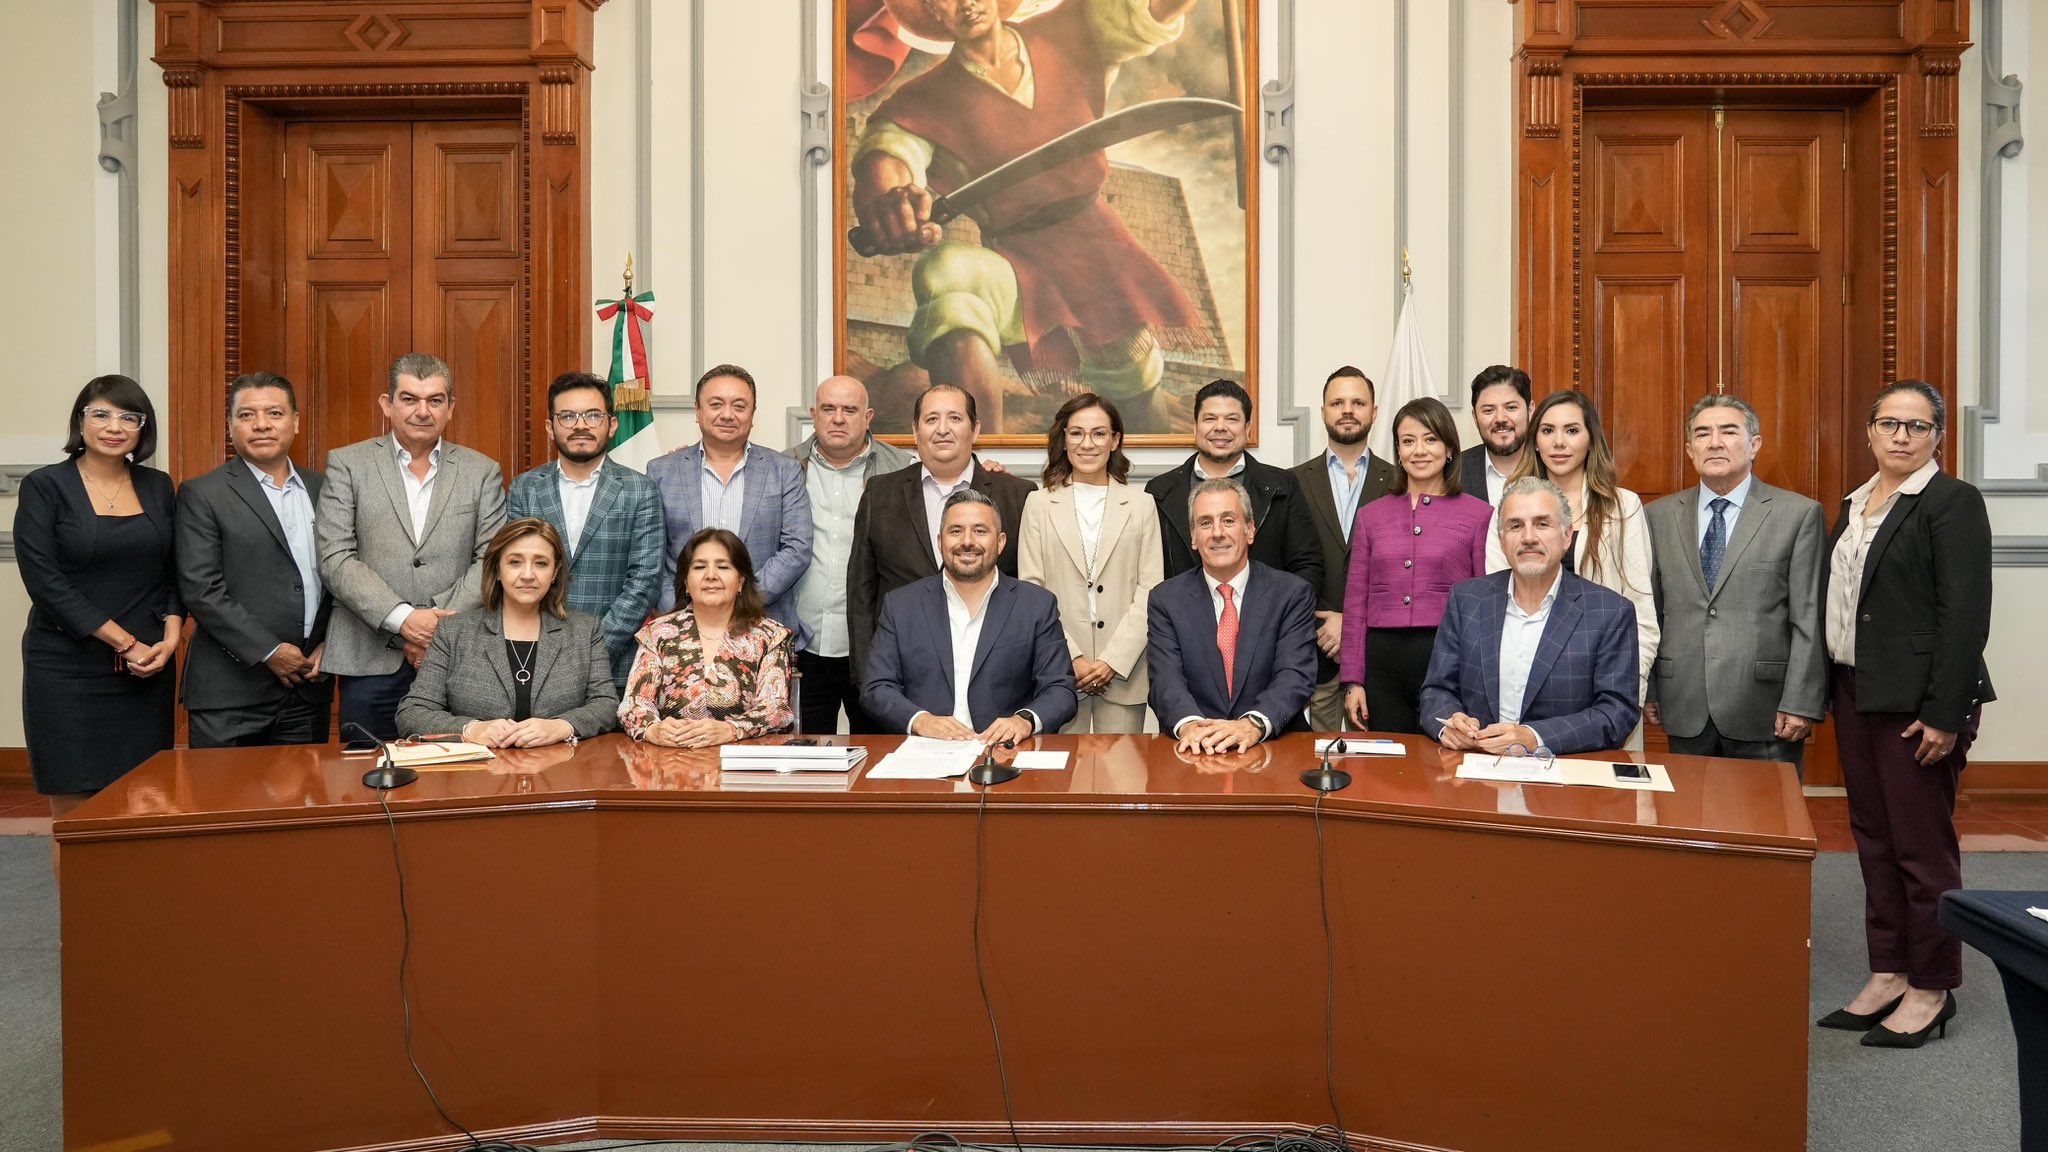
[{"x": 521, "y": 671}]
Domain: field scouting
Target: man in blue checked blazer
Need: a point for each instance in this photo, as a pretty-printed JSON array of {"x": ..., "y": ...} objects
[
  {"x": 609, "y": 515},
  {"x": 1535, "y": 657},
  {"x": 725, "y": 481}
]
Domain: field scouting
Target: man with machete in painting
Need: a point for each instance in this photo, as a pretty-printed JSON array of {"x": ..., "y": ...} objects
[{"x": 1058, "y": 281}]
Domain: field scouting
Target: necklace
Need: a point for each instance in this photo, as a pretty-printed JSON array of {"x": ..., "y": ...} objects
[
  {"x": 96, "y": 488},
  {"x": 525, "y": 669}
]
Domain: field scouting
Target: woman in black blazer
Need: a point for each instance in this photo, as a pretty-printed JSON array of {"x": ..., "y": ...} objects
[
  {"x": 1907, "y": 591},
  {"x": 93, "y": 538}
]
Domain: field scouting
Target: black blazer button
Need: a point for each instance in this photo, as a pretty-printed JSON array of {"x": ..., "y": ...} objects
[
  {"x": 1101, "y": 588},
  {"x": 298, "y": 587},
  {"x": 1865, "y": 618},
  {"x": 417, "y": 563},
  {"x": 1098, "y": 624}
]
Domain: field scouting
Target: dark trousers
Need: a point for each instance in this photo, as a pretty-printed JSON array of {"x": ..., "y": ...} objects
[
  {"x": 292, "y": 720},
  {"x": 1396, "y": 664},
  {"x": 827, "y": 686},
  {"x": 1710, "y": 742},
  {"x": 1902, "y": 815},
  {"x": 372, "y": 701}
]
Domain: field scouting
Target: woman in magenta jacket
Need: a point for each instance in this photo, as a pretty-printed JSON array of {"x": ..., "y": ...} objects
[{"x": 1407, "y": 549}]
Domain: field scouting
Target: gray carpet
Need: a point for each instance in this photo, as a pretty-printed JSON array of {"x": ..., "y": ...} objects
[{"x": 1957, "y": 1093}]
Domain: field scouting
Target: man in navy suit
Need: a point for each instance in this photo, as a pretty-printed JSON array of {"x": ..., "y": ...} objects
[
  {"x": 1535, "y": 657},
  {"x": 1232, "y": 646},
  {"x": 970, "y": 654},
  {"x": 728, "y": 481}
]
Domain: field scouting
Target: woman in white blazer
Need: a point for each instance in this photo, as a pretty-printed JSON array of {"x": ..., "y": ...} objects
[
  {"x": 1092, "y": 540},
  {"x": 1611, "y": 535}
]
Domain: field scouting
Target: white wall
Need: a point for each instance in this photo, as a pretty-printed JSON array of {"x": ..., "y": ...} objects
[{"x": 1397, "y": 140}]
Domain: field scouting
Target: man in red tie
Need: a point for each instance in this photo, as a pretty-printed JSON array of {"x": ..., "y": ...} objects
[{"x": 1232, "y": 644}]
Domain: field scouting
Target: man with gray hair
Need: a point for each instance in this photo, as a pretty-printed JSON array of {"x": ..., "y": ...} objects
[
  {"x": 1232, "y": 643},
  {"x": 403, "y": 523},
  {"x": 1736, "y": 562},
  {"x": 1533, "y": 659},
  {"x": 946, "y": 681}
]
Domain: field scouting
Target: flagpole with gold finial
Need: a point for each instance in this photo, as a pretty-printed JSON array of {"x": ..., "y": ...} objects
[{"x": 630, "y": 380}]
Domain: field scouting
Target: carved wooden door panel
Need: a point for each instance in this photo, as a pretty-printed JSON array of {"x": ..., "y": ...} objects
[
  {"x": 1648, "y": 283},
  {"x": 466, "y": 274},
  {"x": 348, "y": 274},
  {"x": 1782, "y": 182},
  {"x": 402, "y": 236}
]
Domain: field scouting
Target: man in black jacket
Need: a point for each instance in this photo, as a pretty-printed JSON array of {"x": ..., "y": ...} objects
[{"x": 1287, "y": 532}]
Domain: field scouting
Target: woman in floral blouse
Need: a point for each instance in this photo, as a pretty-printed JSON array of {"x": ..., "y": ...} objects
[{"x": 717, "y": 668}]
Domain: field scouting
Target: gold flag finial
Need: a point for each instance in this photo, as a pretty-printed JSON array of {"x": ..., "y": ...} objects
[
  {"x": 629, "y": 274},
  {"x": 1407, "y": 273}
]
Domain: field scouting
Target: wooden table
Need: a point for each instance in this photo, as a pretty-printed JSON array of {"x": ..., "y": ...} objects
[{"x": 605, "y": 943}]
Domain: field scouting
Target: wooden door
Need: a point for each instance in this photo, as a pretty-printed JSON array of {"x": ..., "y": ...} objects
[{"x": 402, "y": 236}]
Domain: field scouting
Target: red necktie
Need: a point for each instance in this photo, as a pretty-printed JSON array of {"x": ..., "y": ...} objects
[{"x": 1226, "y": 637}]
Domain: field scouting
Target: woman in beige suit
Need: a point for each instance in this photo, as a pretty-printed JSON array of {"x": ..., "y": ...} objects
[{"x": 1093, "y": 541}]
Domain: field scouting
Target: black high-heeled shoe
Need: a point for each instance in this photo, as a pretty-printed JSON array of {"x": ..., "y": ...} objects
[
  {"x": 1883, "y": 1037},
  {"x": 1847, "y": 1021}
]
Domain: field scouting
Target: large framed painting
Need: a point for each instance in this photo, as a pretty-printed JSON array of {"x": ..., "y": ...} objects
[{"x": 1038, "y": 198}]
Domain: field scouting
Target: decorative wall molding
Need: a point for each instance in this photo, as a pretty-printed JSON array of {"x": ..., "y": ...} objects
[
  {"x": 1939, "y": 88},
  {"x": 814, "y": 154},
  {"x": 2019, "y": 552},
  {"x": 1542, "y": 92},
  {"x": 118, "y": 149},
  {"x": 697, "y": 120},
  {"x": 1276, "y": 103},
  {"x": 2002, "y": 140},
  {"x": 558, "y": 103},
  {"x": 187, "y": 106}
]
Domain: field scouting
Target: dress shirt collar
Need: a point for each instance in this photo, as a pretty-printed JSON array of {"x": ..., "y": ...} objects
[
  {"x": 586, "y": 482},
  {"x": 745, "y": 451},
  {"x": 405, "y": 457},
  {"x": 1199, "y": 463},
  {"x": 1737, "y": 496},
  {"x": 1237, "y": 583},
  {"x": 1543, "y": 609},
  {"x": 291, "y": 479},
  {"x": 860, "y": 458},
  {"x": 1914, "y": 485},
  {"x": 966, "y": 477},
  {"x": 956, "y": 600}
]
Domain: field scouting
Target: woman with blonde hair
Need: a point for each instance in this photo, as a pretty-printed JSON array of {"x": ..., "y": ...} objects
[{"x": 1611, "y": 542}]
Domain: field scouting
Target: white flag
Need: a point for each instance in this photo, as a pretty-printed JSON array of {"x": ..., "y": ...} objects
[{"x": 1407, "y": 376}]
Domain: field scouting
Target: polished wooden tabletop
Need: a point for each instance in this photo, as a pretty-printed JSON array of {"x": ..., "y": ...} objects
[{"x": 1728, "y": 803}]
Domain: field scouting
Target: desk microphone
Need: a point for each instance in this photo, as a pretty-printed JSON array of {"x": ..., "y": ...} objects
[
  {"x": 988, "y": 773},
  {"x": 386, "y": 775},
  {"x": 1326, "y": 778}
]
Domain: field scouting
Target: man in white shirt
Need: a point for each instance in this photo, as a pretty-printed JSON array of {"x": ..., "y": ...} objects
[
  {"x": 403, "y": 523},
  {"x": 945, "y": 681},
  {"x": 1533, "y": 659},
  {"x": 1500, "y": 408},
  {"x": 838, "y": 459},
  {"x": 609, "y": 516}
]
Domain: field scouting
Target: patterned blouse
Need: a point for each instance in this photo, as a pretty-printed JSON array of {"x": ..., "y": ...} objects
[{"x": 745, "y": 683}]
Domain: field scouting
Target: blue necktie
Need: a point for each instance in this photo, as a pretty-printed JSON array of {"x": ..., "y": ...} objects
[{"x": 1716, "y": 542}]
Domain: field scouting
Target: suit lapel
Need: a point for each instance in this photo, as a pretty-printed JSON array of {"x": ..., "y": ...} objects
[
  {"x": 394, "y": 484},
  {"x": 495, "y": 653},
  {"x": 1495, "y": 613},
  {"x": 600, "y": 503},
  {"x": 1251, "y": 612},
  {"x": 1902, "y": 509},
  {"x": 995, "y": 614},
  {"x": 1754, "y": 512},
  {"x": 246, "y": 489},
  {"x": 1684, "y": 540},
  {"x": 752, "y": 509},
  {"x": 938, "y": 617},
  {"x": 1060, "y": 504},
  {"x": 1564, "y": 620},
  {"x": 690, "y": 490},
  {"x": 444, "y": 481},
  {"x": 545, "y": 652},
  {"x": 1116, "y": 512},
  {"x": 1323, "y": 502},
  {"x": 1173, "y": 509},
  {"x": 913, "y": 508}
]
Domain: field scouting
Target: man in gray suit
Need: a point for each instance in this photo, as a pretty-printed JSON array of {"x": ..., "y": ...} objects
[
  {"x": 609, "y": 516},
  {"x": 249, "y": 568},
  {"x": 726, "y": 481},
  {"x": 403, "y": 523},
  {"x": 1736, "y": 568}
]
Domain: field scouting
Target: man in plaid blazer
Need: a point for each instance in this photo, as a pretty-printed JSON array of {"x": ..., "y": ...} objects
[
  {"x": 609, "y": 515},
  {"x": 1534, "y": 657}
]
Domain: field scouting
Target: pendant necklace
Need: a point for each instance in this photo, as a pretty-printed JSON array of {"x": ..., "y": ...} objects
[{"x": 524, "y": 672}]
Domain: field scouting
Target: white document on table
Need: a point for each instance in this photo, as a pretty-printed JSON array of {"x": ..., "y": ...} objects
[
  {"x": 1028, "y": 761},
  {"x": 924, "y": 758},
  {"x": 1360, "y": 746},
  {"x": 1537, "y": 770}
]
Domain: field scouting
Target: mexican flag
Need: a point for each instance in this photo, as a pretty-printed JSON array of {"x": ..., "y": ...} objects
[{"x": 633, "y": 444}]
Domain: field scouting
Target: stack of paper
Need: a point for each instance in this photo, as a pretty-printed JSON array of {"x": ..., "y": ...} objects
[
  {"x": 436, "y": 754},
  {"x": 1536, "y": 770},
  {"x": 1359, "y": 746},
  {"x": 923, "y": 758},
  {"x": 793, "y": 754}
]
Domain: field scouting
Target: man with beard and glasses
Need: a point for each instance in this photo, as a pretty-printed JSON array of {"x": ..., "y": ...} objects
[
  {"x": 609, "y": 516},
  {"x": 1533, "y": 659},
  {"x": 1223, "y": 424},
  {"x": 1500, "y": 408},
  {"x": 939, "y": 680},
  {"x": 1335, "y": 486}
]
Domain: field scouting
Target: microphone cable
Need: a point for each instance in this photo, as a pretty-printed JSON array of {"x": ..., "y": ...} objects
[
  {"x": 1329, "y": 984},
  {"x": 980, "y": 973}
]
